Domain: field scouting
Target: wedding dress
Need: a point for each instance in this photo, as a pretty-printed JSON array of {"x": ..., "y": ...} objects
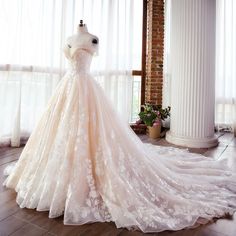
[{"x": 84, "y": 162}]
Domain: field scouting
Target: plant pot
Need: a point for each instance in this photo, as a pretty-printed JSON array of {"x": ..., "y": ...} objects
[{"x": 154, "y": 131}]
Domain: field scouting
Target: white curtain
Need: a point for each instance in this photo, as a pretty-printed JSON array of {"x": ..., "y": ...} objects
[
  {"x": 166, "y": 91},
  {"x": 32, "y": 62},
  {"x": 226, "y": 63},
  {"x": 225, "y": 115}
]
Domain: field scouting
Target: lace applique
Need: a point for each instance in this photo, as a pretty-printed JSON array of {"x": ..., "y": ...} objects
[{"x": 84, "y": 162}]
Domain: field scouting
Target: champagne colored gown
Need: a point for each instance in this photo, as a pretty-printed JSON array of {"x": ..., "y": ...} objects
[{"x": 84, "y": 162}]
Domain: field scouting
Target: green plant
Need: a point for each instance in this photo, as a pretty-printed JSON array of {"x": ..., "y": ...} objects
[{"x": 151, "y": 115}]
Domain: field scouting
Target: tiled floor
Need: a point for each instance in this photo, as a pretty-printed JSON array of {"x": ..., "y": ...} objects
[{"x": 21, "y": 222}]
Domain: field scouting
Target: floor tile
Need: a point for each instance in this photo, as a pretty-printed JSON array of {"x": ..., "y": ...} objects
[
  {"x": 8, "y": 208},
  {"x": 10, "y": 225},
  {"x": 29, "y": 230},
  {"x": 27, "y": 215},
  {"x": 198, "y": 150}
]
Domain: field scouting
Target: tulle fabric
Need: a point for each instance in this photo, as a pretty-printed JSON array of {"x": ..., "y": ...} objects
[{"x": 84, "y": 162}]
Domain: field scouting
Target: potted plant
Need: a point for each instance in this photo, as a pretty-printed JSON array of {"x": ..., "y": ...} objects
[{"x": 152, "y": 115}]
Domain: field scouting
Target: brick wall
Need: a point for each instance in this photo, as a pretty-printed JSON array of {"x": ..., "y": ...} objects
[{"x": 155, "y": 50}]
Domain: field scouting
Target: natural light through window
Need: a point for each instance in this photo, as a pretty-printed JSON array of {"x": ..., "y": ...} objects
[{"x": 32, "y": 63}]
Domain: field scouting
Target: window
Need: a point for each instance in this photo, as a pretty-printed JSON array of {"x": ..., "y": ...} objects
[{"x": 32, "y": 63}]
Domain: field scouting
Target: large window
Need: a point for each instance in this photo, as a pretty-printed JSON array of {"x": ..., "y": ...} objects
[
  {"x": 226, "y": 64},
  {"x": 32, "y": 62}
]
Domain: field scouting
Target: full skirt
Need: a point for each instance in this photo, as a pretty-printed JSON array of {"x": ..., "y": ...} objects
[{"x": 84, "y": 162}]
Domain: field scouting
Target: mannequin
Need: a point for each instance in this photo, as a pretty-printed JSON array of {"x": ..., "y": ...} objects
[{"x": 82, "y": 40}]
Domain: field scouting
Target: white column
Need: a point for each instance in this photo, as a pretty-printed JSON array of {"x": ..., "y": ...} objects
[{"x": 193, "y": 73}]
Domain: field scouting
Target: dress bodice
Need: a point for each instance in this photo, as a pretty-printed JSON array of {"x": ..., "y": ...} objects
[
  {"x": 79, "y": 50},
  {"x": 81, "y": 61}
]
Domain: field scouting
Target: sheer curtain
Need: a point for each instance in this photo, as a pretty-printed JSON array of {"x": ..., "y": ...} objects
[
  {"x": 32, "y": 62},
  {"x": 225, "y": 115},
  {"x": 226, "y": 64},
  {"x": 166, "y": 91}
]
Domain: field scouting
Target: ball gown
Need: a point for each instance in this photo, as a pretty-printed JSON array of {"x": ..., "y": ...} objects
[{"x": 82, "y": 161}]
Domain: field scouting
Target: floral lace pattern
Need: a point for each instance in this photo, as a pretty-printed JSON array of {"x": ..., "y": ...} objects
[{"x": 84, "y": 162}]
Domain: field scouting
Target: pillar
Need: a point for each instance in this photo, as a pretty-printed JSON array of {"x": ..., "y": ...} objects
[{"x": 193, "y": 73}]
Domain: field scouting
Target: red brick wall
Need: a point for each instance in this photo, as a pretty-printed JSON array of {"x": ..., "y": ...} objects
[{"x": 155, "y": 50}]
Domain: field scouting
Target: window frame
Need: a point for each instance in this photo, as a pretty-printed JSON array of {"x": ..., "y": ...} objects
[{"x": 142, "y": 72}]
